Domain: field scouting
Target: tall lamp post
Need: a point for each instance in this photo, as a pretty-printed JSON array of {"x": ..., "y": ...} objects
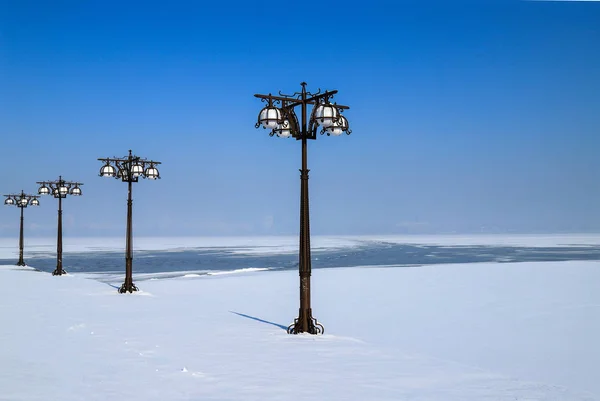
[
  {"x": 129, "y": 169},
  {"x": 279, "y": 116},
  {"x": 59, "y": 189},
  {"x": 21, "y": 201}
]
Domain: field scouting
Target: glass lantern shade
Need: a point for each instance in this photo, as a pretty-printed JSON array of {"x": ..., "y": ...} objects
[
  {"x": 35, "y": 202},
  {"x": 76, "y": 191},
  {"x": 9, "y": 201},
  {"x": 284, "y": 130},
  {"x": 269, "y": 117},
  {"x": 338, "y": 127},
  {"x": 151, "y": 173},
  {"x": 63, "y": 191},
  {"x": 107, "y": 171},
  {"x": 137, "y": 170},
  {"x": 44, "y": 190},
  {"x": 23, "y": 202},
  {"x": 326, "y": 115}
]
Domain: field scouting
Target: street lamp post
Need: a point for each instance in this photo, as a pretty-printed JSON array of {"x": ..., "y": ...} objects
[
  {"x": 59, "y": 189},
  {"x": 129, "y": 169},
  {"x": 21, "y": 201},
  {"x": 279, "y": 116}
]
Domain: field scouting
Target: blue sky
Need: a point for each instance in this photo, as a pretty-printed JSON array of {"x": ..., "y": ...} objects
[{"x": 466, "y": 117}]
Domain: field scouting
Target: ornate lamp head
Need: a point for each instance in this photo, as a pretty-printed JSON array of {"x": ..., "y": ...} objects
[
  {"x": 107, "y": 170},
  {"x": 269, "y": 117},
  {"x": 326, "y": 114},
  {"x": 338, "y": 127},
  {"x": 137, "y": 169},
  {"x": 151, "y": 172},
  {"x": 44, "y": 190}
]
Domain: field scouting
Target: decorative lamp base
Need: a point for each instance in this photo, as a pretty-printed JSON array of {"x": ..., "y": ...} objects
[
  {"x": 314, "y": 327},
  {"x": 58, "y": 272},
  {"x": 128, "y": 288}
]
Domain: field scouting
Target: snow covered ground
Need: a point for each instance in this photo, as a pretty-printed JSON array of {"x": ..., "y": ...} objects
[{"x": 524, "y": 331}]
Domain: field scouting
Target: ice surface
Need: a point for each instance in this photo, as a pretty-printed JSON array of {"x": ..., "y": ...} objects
[
  {"x": 284, "y": 244},
  {"x": 497, "y": 332},
  {"x": 520, "y": 240},
  {"x": 242, "y": 245}
]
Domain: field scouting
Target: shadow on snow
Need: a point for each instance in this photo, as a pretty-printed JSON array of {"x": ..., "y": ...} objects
[{"x": 260, "y": 320}]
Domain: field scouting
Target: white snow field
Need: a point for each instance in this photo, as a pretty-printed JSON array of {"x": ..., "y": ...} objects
[{"x": 496, "y": 332}]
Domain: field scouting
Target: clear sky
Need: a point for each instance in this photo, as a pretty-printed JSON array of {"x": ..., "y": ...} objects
[{"x": 466, "y": 117}]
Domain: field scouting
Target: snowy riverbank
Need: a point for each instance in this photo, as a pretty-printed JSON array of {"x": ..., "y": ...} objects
[{"x": 524, "y": 331}]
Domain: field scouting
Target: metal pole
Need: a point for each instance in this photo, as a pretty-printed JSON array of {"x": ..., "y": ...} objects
[
  {"x": 304, "y": 254},
  {"x": 59, "y": 266},
  {"x": 128, "y": 285},
  {"x": 305, "y": 322},
  {"x": 21, "y": 262}
]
